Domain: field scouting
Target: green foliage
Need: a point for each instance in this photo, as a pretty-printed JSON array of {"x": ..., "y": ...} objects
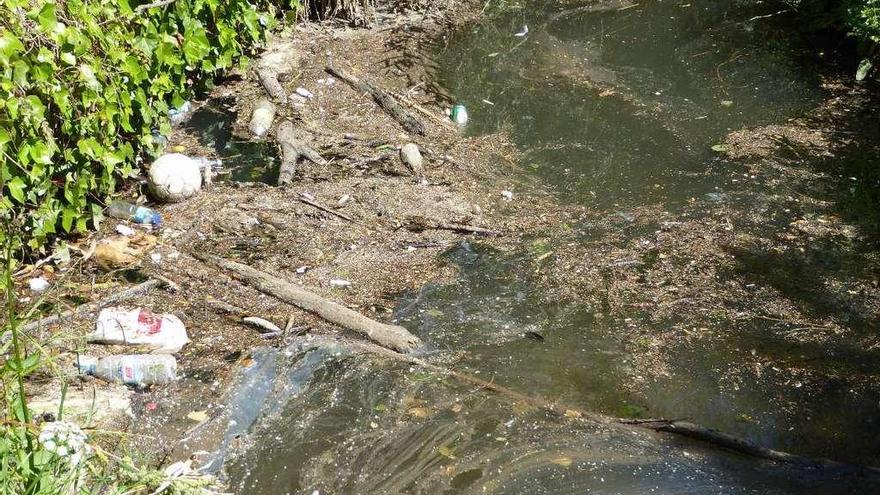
[
  {"x": 863, "y": 16},
  {"x": 87, "y": 84}
]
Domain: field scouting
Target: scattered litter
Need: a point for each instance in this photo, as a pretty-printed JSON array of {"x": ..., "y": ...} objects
[
  {"x": 494, "y": 54},
  {"x": 305, "y": 93},
  {"x": 487, "y": 102},
  {"x": 508, "y": 195},
  {"x": 264, "y": 326},
  {"x": 122, "y": 252},
  {"x": 156, "y": 257},
  {"x": 262, "y": 117},
  {"x": 134, "y": 213},
  {"x": 162, "y": 333},
  {"x": 151, "y": 406},
  {"x": 720, "y": 148},
  {"x": 139, "y": 369},
  {"x": 180, "y": 114},
  {"x": 302, "y": 270},
  {"x": 338, "y": 282},
  {"x": 329, "y": 81},
  {"x": 307, "y": 196},
  {"x": 344, "y": 199},
  {"x": 38, "y": 284},
  {"x": 726, "y": 103},
  {"x": 522, "y": 32},
  {"x": 174, "y": 177},
  {"x": 125, "y": 230}
]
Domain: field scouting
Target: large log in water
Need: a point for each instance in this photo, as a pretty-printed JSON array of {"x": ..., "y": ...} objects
[
  {"x": 391, "y": 336},
  {"x": 383, "y": 99}
]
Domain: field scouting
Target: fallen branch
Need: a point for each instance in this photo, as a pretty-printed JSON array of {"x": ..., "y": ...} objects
[
  {"x": 303, "y": 198},
  {"x": 709, "y": 436},
  {"x": 383, "y": 99},
  {"x": 416, "y": 223},
  {"x": 391, "y": 336},
  {"x": 91, "y": 307},
  {"x": 162, "y": 3},
  {"x": 269, "y": 79},
  {"x": 292, "y": 149}
]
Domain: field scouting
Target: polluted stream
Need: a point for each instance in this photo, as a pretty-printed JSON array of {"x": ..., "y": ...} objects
[{"x": 616, "y": 109}]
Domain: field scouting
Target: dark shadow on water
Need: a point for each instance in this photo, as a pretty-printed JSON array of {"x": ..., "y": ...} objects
[{"x": 243, "y": 160}]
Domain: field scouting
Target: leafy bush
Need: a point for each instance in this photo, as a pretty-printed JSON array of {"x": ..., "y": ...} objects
[
  {"x": 86, "y": 86},
  {"x": 864, "y": 18}
]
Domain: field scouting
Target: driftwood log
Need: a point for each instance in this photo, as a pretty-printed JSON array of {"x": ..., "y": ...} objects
[
  {"x": 383, "y": 99},
  {"x": 293, "y": 147},
  {"x": 391, "y": 336},
  {"x": 714, "y": 438}
]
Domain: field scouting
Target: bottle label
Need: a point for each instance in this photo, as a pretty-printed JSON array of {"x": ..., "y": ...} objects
[{"x": 129, "y": 371}]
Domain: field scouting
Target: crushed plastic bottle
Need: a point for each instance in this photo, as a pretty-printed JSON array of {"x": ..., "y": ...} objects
[
  {"x": 134, "y": 213},
  {"x": 180, "y": 114},
  {"x": 162, "y": 333},
  {"x": 131, "y": 369}
]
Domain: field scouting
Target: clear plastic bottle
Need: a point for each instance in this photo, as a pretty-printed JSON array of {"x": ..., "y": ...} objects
[
  {"x": 135, "y": 213},
  {"x": 133, "y": 369}
]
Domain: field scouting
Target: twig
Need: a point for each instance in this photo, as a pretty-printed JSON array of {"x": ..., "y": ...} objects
[
  {"x": 91, "y": 307},
  {"x": 162, "y": 3},
  {"x": 321, "y": 207},
  {"x": 466, "y": 228}
]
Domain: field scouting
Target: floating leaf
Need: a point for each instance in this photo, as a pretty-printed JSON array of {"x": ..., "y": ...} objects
[
  {"x": 447, "y": 452},
  {"x": 418, "y": 412},
  {"x": 720, "y": 148},
  {"x": 198, "y": 416}
]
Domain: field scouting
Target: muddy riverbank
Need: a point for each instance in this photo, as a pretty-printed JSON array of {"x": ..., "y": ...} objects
[{"x": 684, "y": 239}]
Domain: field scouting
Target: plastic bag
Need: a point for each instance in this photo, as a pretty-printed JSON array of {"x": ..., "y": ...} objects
[{"x": 162, "y": 333}]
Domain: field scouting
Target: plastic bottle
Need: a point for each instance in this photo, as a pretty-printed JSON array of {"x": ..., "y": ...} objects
[
  {"x": 135, "y": 213},
  {"x": 131, "y": 369},
  {"x": 459, "y": 115}
]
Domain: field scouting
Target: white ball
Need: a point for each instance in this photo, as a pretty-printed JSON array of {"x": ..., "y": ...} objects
[{"x": 174, "y": 177}]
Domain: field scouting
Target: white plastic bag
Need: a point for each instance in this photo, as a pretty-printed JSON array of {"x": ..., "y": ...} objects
[{"x": 162, "y": 333}]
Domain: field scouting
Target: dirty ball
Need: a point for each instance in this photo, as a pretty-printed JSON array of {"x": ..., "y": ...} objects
[{"x": 174, "y": 177}]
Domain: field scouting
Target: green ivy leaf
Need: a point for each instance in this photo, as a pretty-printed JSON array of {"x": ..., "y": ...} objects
[
  {"x": 9, "y": 47},
  {"x": 16, "y": 189}
]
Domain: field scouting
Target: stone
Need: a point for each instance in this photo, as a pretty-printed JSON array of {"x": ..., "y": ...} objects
[{"x": 412, "y": 158}]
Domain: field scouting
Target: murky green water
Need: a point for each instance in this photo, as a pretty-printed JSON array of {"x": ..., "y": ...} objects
[{"x": 616, "y": 110}]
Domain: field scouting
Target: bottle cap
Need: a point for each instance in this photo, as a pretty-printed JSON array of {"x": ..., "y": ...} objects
[{"x": 87, "y": 364}]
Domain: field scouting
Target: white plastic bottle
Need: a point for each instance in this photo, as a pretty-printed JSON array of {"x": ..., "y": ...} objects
[{"x": 134, "y": 369}]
